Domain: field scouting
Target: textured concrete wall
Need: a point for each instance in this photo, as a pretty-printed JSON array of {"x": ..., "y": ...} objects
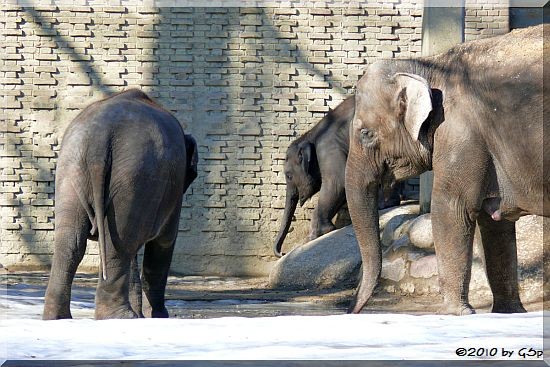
[{"x": 244, "y": 81}]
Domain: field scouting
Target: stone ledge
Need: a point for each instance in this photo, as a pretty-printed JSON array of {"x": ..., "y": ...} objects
[{"x": 409, "y": 264}]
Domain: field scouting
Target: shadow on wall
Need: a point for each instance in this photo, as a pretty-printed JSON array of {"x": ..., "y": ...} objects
[
  {"x": 232, "y": 81},
  {"x": 242, "y": 81},
  {"x": 31, "y": 205},
  {"x": 301, "y": 58},
  {"x": 64, "y": 44},
  {"x": 26, "y": 205}
]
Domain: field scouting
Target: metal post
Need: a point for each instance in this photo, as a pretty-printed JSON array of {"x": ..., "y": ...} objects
[{"x": 442, "y": 28}]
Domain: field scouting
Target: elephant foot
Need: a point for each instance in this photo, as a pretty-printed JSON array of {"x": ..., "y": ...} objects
[
  {"x": 160, "y": 314},
  {"x": 461, "y": 309},
  {"x": 56, "y": 313},
  {"x": 119, "y": 313},
  {"x": 508, "y": 307},
  {"x": 321, "y": 231}
]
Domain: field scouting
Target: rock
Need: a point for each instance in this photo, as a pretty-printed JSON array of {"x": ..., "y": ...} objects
[
  {"x": 401, "y": 242},
  {"x": 414, "y": 253},
  {"x": 479, "y": 286},
  {"x": 332, "y": 260},
  {"x": 390, "y": 288},
  {"x": 425, "y": 267},
  {"x": 407, "y": 288},
  {"x": 385, "y": 215},
  {"x": 531, "y": 289},
  {"x": 530, "y": 240},
  {"x": 395, "y": 228},
  {"x": 409, "y": 264},
  {"x": 420, "y": 232},
  {"x": 393, "y": 270}
]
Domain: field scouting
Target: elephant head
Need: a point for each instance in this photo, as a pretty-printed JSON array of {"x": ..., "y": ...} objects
[
  {"x": 389, "y": 140},
  {"x": 303, "y": 180}
]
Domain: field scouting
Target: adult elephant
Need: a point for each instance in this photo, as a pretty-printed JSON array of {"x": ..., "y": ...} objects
[
  {"x": 123, "y": 168},
  {"x": 316, "y": 162},
  {"x": 474, "y": 116}
]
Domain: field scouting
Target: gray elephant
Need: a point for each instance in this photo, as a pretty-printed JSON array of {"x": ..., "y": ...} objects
[
  {"x": 124, "y": 166},
  {"x": 316, "y": 162},
  {"x": 474, "y": 116}
]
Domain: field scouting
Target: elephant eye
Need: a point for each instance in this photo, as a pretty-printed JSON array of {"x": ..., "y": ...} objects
[
  {"x": 288, "y": 176},
  {"x": 368, "y": 137},
  {"x": 367, "y": 133}
]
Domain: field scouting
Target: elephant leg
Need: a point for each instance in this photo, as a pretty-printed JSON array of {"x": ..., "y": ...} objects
[
  {"x": 70, "y": 244},
  {"x": 112, "y": 295},
  {"x": 156, "y": 265},
  {"x": 111, "y": 299},
  {"x": 69, "y": 251},
  {"x": 499, "y": 245},
  {"x": 453, "y": 233},
  {"x": 135, "y": 288},
  {"x": 331, "y": 198},
  {"x": 157, "y": 258}
]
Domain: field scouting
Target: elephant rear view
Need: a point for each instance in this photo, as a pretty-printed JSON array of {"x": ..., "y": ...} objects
[{"x": 124, "y": 166}]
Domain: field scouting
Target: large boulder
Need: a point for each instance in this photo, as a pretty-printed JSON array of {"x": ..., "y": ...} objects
[
  {"x": 529, "y": 234},
  {"x": 409, "y": 264},
  {"x": 420, "y": 232},
  {"x": 332, "y": 260},
  {"x": 395, "y": 229},
  {"x": 397, "y": 213},
  {"x": 394, "y": 222}
]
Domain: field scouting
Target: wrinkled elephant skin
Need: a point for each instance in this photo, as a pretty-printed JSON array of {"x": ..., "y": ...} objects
[
  {"x": 123, "y": 168},
  {"x": 474, "y": 116},
  {"x": 315, "y": 162}
]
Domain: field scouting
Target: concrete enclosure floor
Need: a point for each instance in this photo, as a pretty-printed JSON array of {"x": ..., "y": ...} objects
[{"x": 211, "y": 296}]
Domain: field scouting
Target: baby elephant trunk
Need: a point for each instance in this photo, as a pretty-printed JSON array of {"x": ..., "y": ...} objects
[{"x": 290, "y": 208}]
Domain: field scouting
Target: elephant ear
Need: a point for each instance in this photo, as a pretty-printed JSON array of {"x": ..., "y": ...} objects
[
  {"x": 417, "y": 96},
  {"x": 305, "y": 156},
  {"x": 192, "y": 159}
]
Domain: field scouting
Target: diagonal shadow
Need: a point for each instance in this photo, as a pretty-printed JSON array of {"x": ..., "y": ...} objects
[
  {"x": 294, "y": 49},
  {"x": 66, "y": 44}
]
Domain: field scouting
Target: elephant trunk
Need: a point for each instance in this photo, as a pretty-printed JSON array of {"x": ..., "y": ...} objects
[
  {"x": 290, "y": 207},
  {"x": 362, "y": 198}
]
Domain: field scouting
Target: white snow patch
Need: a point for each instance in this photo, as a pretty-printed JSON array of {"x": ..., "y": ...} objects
[{"x": 366, "y": 336}]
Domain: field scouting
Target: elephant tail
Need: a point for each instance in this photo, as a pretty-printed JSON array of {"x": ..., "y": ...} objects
[{"x": 98, "y": 176}]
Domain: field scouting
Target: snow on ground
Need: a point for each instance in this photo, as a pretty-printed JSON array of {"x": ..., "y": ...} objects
[{"x": 367, "y": 336}]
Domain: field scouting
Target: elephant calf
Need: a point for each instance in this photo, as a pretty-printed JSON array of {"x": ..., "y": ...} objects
[
  {"x": 316, "y": 161},
  {"x": 124, "y": 166}
]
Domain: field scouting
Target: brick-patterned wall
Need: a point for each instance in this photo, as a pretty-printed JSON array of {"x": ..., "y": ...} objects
[
  {"x": 244, "y": 81},
  {"x": 486, "y": 18}
]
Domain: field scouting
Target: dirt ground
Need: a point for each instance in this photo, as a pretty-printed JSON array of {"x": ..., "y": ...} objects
[{"x": 210, "y": 296}]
